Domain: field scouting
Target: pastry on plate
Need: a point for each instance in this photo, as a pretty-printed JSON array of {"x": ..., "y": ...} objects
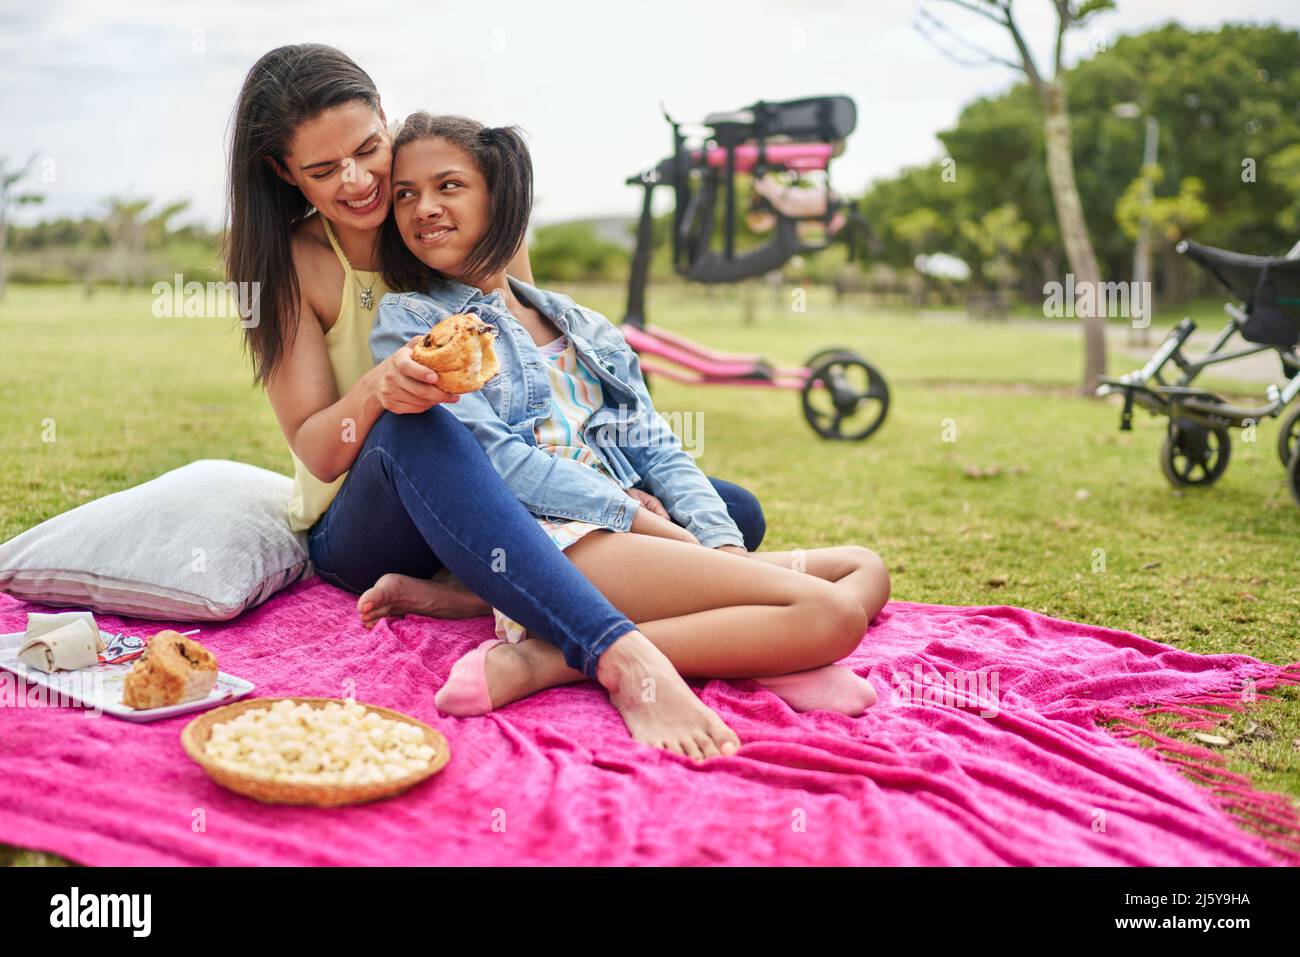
[
  {"x": 173, "y": 669},
  {"x": 459, "y": 349}
]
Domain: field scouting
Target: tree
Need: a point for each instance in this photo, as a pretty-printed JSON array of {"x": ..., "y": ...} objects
[
  {"x": 1171, "y": 216},
  {"x": 127, "y": 233},
  {"x": 564, "y": 252},
  {"x": 998, "y": 235},
  {"x": 919, "y": 228},
  {"x": 9, "y": 180},
  {"x": 1051, "y": 91},
  {"x": 158, "y": 226},
  {"x": 1239, "y": 136},
  {"x": 1285, "y": 169}
]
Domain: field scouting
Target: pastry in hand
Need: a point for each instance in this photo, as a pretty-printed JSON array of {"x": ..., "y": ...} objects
[
  {"x": 459, "y": 349},
  {"x": 173, "y": 669}
]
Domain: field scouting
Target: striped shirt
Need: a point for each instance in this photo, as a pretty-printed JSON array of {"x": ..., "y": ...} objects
[{"x": 575, "y": 395}]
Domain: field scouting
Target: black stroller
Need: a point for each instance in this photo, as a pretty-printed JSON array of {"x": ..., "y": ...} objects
[{"x": 1197, "y": 446}]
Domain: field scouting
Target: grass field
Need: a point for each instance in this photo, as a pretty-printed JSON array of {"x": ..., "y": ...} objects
[{"x": 131, "y": 396}]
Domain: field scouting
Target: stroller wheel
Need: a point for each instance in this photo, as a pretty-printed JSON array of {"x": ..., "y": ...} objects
[
  {"x": 1288, "y": 437},
  {"x": 1293, "y": 476},
  {"x": 821, "y": 354},
  {"x": 845, "y": 397},
  {"x": 1194, "y": 454}
]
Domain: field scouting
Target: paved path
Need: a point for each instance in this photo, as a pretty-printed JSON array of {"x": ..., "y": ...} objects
[{"x": 1262, "y": 367}]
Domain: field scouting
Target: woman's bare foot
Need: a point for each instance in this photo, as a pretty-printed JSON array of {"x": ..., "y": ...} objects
[
  {"x": 658, "y": 706},
  {"x": 442, "y": 596}
]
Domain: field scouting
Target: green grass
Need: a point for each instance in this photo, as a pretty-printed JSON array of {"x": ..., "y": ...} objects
[{"x": 131, "y": 396}]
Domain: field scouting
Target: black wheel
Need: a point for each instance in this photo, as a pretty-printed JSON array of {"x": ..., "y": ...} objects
[
  {"x": 845, "y": 397},
  {"x": 1288, "y": 437},
  {"x": 1293, "y": 476},
  {"x": 1195, "y": 455},
  {"x": 821, "y": 354}
]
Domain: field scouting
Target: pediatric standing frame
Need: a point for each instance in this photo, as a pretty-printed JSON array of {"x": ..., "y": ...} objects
[
  {"x": 1197, "y": 445},
  {"x": 843, "y": 395}
]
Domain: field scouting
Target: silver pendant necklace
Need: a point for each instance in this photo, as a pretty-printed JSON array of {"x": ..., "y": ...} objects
[{"x": 367, "y": 292}]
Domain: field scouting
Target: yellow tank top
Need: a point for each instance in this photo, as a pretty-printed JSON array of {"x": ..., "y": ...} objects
[{"x": 348, "y": 343}]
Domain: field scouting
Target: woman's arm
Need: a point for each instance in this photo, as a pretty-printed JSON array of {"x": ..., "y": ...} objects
[
  {"x": 326, "y": 430},
  {"x": 305, "y": 398}
]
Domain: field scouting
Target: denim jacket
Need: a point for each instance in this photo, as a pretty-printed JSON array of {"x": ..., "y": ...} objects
[{"x": 633, "y": 441}]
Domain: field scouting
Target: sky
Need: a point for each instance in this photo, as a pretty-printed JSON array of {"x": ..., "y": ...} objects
[{"x": 134, "y": 98}]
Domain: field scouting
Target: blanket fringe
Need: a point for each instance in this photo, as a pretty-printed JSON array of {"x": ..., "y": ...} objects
[{"x": 1270, "y": 816}]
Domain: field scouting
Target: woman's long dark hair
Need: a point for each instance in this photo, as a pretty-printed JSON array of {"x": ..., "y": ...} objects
[
  {"x": 504, "y": 160},
  {"x": 286, "y": 87}
]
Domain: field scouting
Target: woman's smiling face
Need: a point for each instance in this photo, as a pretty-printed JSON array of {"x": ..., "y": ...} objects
[
  {"x": 341, "y": 161},
  {"x": 440, "y": 203}
]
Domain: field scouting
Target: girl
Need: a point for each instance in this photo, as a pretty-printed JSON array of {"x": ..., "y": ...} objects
[
  {"x": 569, "y": 424},
  {"x": 381, "y": 469}
]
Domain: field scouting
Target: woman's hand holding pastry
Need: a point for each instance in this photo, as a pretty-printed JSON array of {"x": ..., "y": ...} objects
[{"x": 404, "y": 386}]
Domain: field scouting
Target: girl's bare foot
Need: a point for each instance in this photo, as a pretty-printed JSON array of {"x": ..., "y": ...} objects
[
  {"x": 515, "y": 671},
  {"x": 442, "y": 596},
  {"x": 658, "y": 706}
]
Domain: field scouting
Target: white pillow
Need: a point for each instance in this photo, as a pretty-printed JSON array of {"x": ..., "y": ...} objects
[{"x": 203, "y": 542}]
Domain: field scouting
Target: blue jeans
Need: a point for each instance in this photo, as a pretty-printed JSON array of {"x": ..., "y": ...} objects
[{"x": 422, "y": 495}]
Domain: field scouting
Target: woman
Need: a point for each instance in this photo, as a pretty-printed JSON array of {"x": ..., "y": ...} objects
[{"x": 383, "y": 477}]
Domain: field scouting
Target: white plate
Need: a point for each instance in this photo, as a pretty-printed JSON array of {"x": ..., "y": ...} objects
[{"x": 99, "y": 687}]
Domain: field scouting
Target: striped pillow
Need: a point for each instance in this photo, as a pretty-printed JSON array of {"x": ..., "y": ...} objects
[{"x": 203, "y": 542}]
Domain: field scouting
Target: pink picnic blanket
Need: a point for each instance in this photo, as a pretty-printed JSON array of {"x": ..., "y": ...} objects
[{"x": 1011, "y": 769}]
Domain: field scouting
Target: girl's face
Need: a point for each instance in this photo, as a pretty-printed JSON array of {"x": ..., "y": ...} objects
[
  {"x": 440, "y": 203},
  {"x": 340, "y": 160}
]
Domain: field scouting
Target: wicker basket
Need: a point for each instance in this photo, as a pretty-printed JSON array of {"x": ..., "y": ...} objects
[{"x": 195, "y": 741}]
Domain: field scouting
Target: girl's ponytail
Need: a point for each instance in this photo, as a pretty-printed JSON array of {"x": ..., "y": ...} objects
[{"x": 511, "y": 184}]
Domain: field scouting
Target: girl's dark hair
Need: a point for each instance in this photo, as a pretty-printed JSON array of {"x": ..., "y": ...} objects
[
  {"x": 503, "y": 160},
  {"x": 286, "y": 87}
]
